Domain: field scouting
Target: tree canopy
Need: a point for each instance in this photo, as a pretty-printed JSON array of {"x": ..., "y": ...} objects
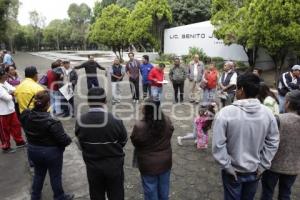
[{"x": 110, "y": 29}]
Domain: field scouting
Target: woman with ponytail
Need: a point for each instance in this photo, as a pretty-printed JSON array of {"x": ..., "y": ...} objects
[
  {"x": 286, "y": 163},
  {"x": 46, "y": 144},
  {"x": 151, "y": 138}
]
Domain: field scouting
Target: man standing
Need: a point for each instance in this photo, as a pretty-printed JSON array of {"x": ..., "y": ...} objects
[
  {"x": 195, "y": 73},
  {"x": 133, "y": 71},
  {"x": 245, "y": 140},
  {"x": 145, "y": 70},
  {"x": 102, "y": 138},
  {"x": 178, "y": 75},
  {"x": 227, "y": 83},
  {"x": 117, "y": 73},
  {"x": 69, "y": 79},
  {"x": 156, "y": 78},
  {"x": 7, "y": 59},
  {"x": 288, "y": 81},
  {"x": 91, "y": 71},
  {"x": 28, "y": 88}
]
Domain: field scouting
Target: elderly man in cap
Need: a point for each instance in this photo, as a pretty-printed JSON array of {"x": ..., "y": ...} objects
[
  {"x": 227, "y": 83},
  {"x": 288, "y": 81}
]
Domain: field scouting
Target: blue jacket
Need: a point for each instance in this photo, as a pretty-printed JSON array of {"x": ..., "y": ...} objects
[{"x": 145, "y": 70}]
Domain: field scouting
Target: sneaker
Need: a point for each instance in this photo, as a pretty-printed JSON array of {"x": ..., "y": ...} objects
[
  {"x": 195, "y": 141},
  {"x": 21, "y": 145},
  {"x": 134, "y": 101},
  {"x": 9, "y": 150},
  {"x": 179, "y": 141},
  {"x": 137, "y": 101},
  {"x": 69, "y": 196}
]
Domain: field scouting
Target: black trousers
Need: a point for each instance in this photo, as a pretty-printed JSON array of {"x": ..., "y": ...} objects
[
  {"x": 178, "y": 87},
  {"x": 135, "y": 89},
  {"x": 101, "y": 183},
  {"x": 146, "y": 90},
  {"x": 68, "y": 106}
]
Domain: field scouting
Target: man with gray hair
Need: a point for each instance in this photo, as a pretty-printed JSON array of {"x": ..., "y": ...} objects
[
  {"x": 227, "y": 83},
  {"x": 195, "y": 73}
]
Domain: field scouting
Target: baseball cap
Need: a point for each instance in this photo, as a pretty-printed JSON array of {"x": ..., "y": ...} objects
[{"x": 296, "y": 67}]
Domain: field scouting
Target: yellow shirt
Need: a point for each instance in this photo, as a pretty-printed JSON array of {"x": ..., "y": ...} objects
[{"x": 25, "y": 91}]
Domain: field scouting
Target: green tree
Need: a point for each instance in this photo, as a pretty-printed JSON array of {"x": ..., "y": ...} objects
[
  {"x": 127, "y": 3},
  {"x": 275, "y": 27},
  {"x": 37, "y": 22},
  {"x": 12, "y": 24},
  {"x": 110, "y": 29},
  {"x": 230, "y": 19},
  {"x": 57, "y": 33},
  {"x": 97, "y": 9},
  {"x": 106, "y": 3},
  {"x": 147, "y": 22},
  {"x": 80, "y": 16},
  {"x": 190, "y": 11}
]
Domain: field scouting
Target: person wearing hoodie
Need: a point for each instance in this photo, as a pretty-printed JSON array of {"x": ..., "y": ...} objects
[
  {"x": 245, "y": 140},
  {"x": 145, "y": 71},
  {"x": 286, "y": 163},
  {"x": 46, "y": 144}
]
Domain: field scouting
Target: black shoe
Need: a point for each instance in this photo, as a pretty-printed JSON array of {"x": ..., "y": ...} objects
[
  {"x": 69, "y": 196},
  {"x": 9, "y": 150}
]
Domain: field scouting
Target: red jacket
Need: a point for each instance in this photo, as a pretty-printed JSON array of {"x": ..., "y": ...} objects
[
  {"x": 212, "y": 78},
  {"x": 51, "y": 79},
  {"x": 156, "y": 74}
]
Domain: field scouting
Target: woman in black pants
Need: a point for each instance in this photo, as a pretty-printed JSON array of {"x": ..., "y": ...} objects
[{"x": 46, "y": 144}]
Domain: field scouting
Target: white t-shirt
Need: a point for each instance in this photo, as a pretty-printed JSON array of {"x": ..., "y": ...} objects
[
  {"x": 6, "y": 100},
  {"x": 195, "y": 70}
]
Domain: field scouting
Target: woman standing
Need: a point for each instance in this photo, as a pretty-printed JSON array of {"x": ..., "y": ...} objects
[
  {"x": 14, "y": 80},
  {"x": 210, "y": 82},
  {"x": 151, "y": 138},
  {"x": 286, "y": 163},
  {"x": 9, "y": 122},
  {"x": 268, "y": 98},
  {"x": 46, "y": 144}
]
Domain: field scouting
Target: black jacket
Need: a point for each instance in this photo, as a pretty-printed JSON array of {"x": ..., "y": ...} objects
[
  {"x": 102, "y": 138},
  {"x": 287, "y": 83},
  {"x": 90, "y": 67},
  {"x": 42, "y": 130}
]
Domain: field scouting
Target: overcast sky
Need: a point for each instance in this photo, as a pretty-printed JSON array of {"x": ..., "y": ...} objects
[{"x": 51, "y": 9}]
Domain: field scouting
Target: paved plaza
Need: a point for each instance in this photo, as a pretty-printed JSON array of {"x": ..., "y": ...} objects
[{"x": 195, "y": 175}]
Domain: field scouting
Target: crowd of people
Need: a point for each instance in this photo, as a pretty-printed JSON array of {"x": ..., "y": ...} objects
[{"x": 254, "y": 134}]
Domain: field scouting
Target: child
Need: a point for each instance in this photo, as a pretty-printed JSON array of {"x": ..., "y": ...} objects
[{"x": 202, "y": 124}]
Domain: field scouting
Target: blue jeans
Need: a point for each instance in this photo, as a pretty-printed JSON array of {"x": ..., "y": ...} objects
[
  {"x": 244, "y": 188},
  {"x": 92, "y": 81},
  {"x": 281, "y": 100},
  {"x": 209, "y": 95},
  {"x": 156, "y": 93},
  {"x": 46, "y": 159},
  {"x": 156, "y": 187},
  {"x": 269, "y": 181},
  {"x": 55, "y": 98}
]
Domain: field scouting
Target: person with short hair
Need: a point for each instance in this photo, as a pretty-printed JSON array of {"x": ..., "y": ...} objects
[
  {"x": 14, "y": 80},
  {"x": 145, "y": 69},
  {"x": 90, "y": 68},
  {"x": 210, "y": 81},
  {"x": 133, "y": 71},
  {"x": 28, "y": 88},
  {"x": 9, "y": 123},
  {"x": 286, "y": 163},
  {"x": 102, "y": 138},
  {"x": 195, "y": 74},
  {"x": 258, "y": 72},
  {"x": 288, "y": 81},
  {"x": 7, "y": 59},
  {"x": 227, "y": 84},
  {"x": 245, "y": 140},
  {"x": 177, "y": 76},
  {"x": 156, "y": 77},
  {"x": 46, "y": 144},
  {"x": 151, "y": 138},
  {"x": 117, "y": 73}
]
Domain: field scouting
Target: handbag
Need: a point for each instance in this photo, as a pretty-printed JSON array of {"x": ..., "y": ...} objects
[{"x": 44, "y": 80}]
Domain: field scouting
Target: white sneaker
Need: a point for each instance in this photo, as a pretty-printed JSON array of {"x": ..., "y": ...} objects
[
  {"x": 179, "y": 141},
  {"x": 195, "y": 141},
  {"x": 137, "y": 101},
  {"x": 134, "y": 101}
]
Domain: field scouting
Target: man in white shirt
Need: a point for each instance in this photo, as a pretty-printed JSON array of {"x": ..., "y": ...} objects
[
  {"x": 9, "y": 123},
  {"x": 195, "y": 74}
]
